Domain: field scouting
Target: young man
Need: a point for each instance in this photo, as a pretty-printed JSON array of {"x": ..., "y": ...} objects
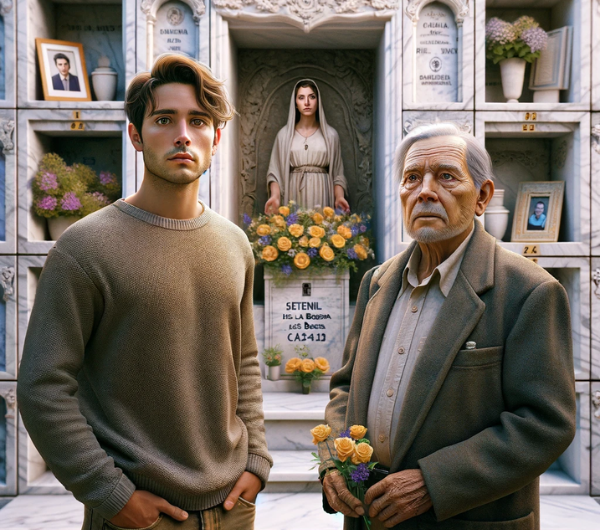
[{"x": 140, "y": 384}]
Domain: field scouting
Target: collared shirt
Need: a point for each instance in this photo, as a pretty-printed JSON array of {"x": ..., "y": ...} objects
[{"x": 408, "y": 327}]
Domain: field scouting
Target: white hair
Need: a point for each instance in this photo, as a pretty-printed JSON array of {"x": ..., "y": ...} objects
[{"x": 479, "y": 162}]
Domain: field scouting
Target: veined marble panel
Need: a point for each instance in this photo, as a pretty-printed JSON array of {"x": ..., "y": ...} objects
[
  {"x": 595, "y": 322},
  {"x": 42, "y": 19},
  {"x": 8, "y": 438},
  {"x": 595, "y": 52},
  {"x": 595, "y": 421},
  {"x": 36, "y": 130},
  {"x": 8, "y": 140},
  {"x": 561, "y": 13},
  {"x": 570, "y": 161},
  {"x": 8, "y": 12},
  {"x": 465, "y": 17},
  {"x": 8, "y": 316},
  {"x": 595, "y": 181}
]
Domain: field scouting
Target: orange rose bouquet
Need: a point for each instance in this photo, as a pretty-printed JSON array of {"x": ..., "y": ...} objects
[
  {"x": 353, "y": 452},
  {"x": 296, "y": 239},
  {"x": 305, "y": 368}
]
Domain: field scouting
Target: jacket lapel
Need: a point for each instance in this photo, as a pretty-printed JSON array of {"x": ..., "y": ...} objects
[{"x": 457, "y": 318}]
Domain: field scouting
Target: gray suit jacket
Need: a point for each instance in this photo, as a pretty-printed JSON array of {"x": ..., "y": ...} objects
[{"x": 481, "y": 424}]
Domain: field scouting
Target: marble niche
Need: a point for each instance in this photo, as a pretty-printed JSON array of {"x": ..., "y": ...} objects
[
  {"x": 7, "y": 53},
  {"x": 8, "y": 181},
  {"x": 8, "y": 317},
  {"x": 8, "y": 438}
]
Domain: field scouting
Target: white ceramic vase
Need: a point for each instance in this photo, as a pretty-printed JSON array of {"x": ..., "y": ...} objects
[
  {"x": 496, "y": 215},
  {"x": 274, "y": 372},
  {"x": 513, "y": 76},
  {"x": 104, "y": 80},
  {"x": 57, "y": 225}
]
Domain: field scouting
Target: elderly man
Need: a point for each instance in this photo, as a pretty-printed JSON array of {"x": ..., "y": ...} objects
[{"x": 458, "y": 361}]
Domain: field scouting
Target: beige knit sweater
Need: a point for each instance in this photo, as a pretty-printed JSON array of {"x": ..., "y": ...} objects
[{"x": 140, "y": 364}]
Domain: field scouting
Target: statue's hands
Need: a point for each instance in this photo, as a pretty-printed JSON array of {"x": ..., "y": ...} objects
[
  {"x": 272, "y": 205},
  {"x": 339, "y": 496},
  {"x": 398, "y": 497},
  {"x": 143, "y": 509},
  {"x": 342, "y": 204}
]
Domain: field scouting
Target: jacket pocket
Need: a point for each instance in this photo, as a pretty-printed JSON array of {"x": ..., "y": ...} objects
[
  {"x": 478, "y": 357},
  {"x": 522, "y": 523}
]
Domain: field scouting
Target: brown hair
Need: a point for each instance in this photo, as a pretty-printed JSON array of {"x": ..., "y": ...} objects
[
  {"x": 313, "y": 87},
  {"x": 211, "y": 95}
]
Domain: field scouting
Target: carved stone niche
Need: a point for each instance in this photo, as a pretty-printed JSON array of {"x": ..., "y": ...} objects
[
  {"x": 172, "y": 26},
  {"x": 345, "y": 81},
  {"x": 437, "y": 49},
  {"x": 306, "y": 14}
]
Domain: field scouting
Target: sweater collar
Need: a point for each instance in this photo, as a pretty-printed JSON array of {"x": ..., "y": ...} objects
[{"x": 165, "y": 222}]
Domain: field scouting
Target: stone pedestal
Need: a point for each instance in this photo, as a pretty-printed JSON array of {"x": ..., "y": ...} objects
[{"x": 308, "y": 310}]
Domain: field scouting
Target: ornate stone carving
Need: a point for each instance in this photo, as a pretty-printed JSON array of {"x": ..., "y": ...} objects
[
  {"x": 150, "y": 7},
  {"x": 596, "y": 280},
  {"x": 411, "y": 124},
  {"x": 7, "y": 278},
  {"x": 346, "y": 76},
  {"x": 7, "y": 128},
  {"x": 596, "y": 404},
  {"x": 306, "y": 14},
  {"x": 529, "y": 159},
  {"x": 459, "y": 7},
  {"x": 6, "y": 6},
  {"x": 559, "y": 154},
  {"x": 596, "y": 135},
  {"x": 10, "y": 398}
]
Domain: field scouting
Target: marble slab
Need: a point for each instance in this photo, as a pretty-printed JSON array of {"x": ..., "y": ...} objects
[
  {"x": 8, "y": 438},
  {"x": 37, "y": 129},
  {"x": 8, "y": 164},
  {"x": 595, "y": 443},
  {"x": 291, "y": 406},
  {"x": 8, "y": 62},
  {"x": 595, "y": 320},
  {"x": 8, "y": 314},
  {"x": 29, "y": 269},
  {"x": 595, "y": 183}
]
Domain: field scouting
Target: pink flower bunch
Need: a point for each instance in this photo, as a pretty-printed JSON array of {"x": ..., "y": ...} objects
[
  {"x": 70, "y": 202},
  {"x": 535, "y": 38},
  {"x": 499, "y": 32},
  {"x": 100, "y": 197},
  {"x": 47, "y": 203},
  {"x": 48, "y": 181},
  {"x": 106, "y": 177}
]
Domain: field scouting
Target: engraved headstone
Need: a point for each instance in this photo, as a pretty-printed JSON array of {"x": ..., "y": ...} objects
[
  {"x": 175, "y": 30},
  {"x": 308, "y": 310},
  {"x": 437, "y": 54}
]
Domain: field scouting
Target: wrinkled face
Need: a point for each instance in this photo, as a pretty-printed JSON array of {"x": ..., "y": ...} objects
[
  {"x": 178, "y": 137},
  {"x": 306, "y": 101},
  {"x": 438, "y": 195},
  {"x": 539, "y": 209},
  {"x": 63, "y": 67}
]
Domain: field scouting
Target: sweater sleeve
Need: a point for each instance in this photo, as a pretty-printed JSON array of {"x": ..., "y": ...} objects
[
  {"x": 249, "y": 408},
  {"x": 67, "y": 306}
]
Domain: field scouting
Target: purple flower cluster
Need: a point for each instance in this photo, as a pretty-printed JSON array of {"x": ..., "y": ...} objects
[
  {"x": 355, "y": 229},
  {"x": 535, "y": 38},
  {"x": 499, "y": 32},
  {"x": 247, "y": 219},
  {"x": 345, "y": 434},
  {"x": 312, "y": 252},
  {"x": 264, "y": 240},
  {"x": 286, "y": 269},
  {"x": 363, "y": 229},
  {"x": 48, "y": 181},
  {"x": 360, "y": 474},
  {"x": 351, "y": 253},
  {"x": 47, "y": 203},
  {"x": 70, "y": 202},
  {"x": 100, "y": 197},
  {"x": 106, "y": 178},
  {"x": 292, "y": 219}
]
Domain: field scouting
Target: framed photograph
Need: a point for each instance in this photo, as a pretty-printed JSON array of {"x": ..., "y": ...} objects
[
  {"x": 538, "y": 212},
  {"x": 62, "y": 65}
]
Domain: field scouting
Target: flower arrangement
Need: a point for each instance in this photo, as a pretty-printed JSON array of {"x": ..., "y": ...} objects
[
  {"x": 523, "y": 39},
  {"x": 295, "y": 239},
  {"x": 353, "y": 461},
  {"x": 272, "y": 355},
  {"x": 306, "y": 369},
  {"x": 60, "y": 190}
]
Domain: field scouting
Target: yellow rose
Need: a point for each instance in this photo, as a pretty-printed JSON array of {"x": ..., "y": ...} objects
[
  {"x": 362, "y": 454},
  {"x": 316, "y": 231},
  {"x": 361, "y": 251},
  {"x": 284, "y": 210},
  {"x": 278, "y": 220},
  {"x": 326, "y": 252},
  {"x": 364, "y": 241},
  {"x": 292, "y": 365},
  {"x": 269, "y": 253},
  {"x": 263, "y": 230},
  {"x": 322, "y": 364},
  {"x": 301, "y": 260},
  {"x": 317, "y": 218},
  {"x": 358, "y": 431},
  {"x": 344, "y": 231},
  {"x": 308, "y": 366},
  {"x": 284, "y": 244},
  {"x": 314, "y": 242},
  {"x": 303, "y": 241},
  {"x": 338, "y": 241},
  {"x": 344, "y": 447},
  {"x": 338, "y": 218},
  {"x": 328, "y": 212},
  {"x": 320, "y": 433},
  {"x": 296, "y": 230}
]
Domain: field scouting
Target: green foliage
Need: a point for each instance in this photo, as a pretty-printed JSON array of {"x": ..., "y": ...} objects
[
  {"x": 273, "y": 355},
  {"x": 519, "y": 49}
]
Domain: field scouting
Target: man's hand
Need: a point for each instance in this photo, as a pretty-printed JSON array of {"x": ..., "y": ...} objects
[
  {"x": 247, "y": 487},
  {"x": 143, "y": 509},
  {"x": 339, "y": 496},
  {"x": 398, "y": 497}
]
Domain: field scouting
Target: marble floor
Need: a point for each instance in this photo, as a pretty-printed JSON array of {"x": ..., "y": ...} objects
[{"x": 284, "y": 511}]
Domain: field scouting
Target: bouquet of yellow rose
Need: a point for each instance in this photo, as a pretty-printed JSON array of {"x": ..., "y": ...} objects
[
  {"x": 353, "y": 461},
  {"x": 296, "y": 239},
  {"x": 305, "y": 368}
]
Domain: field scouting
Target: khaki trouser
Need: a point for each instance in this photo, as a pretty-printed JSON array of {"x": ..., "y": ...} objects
[{"x": 240, "y": 517}]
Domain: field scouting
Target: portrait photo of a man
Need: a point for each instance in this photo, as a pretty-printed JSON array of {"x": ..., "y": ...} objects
[
  {"x": 538, "y": 213},
  {"x": 64, "y": 79}
]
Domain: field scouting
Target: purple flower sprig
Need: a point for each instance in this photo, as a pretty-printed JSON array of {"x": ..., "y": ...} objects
[
  {"x": 345, "y": 434},
  {"x": 312, "y": 252},
  {"x": 360, "y": 474},
  {"x": 286, "y": 269},
  {"x": 264, "y": 241},
  {"x": 247, "y": 219},
  {"x": 48, "y": 181},
  {"x": 70, "y": 202},
  {"x": 292, "y": 219},
  {"x": 47, "y": 203}
]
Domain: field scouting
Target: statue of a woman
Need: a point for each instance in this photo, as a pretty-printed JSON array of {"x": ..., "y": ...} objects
[{"x": 306, "y": 161}]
